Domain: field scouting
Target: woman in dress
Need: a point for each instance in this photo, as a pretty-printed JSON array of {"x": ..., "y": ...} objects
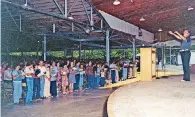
[
  {"x": 47, "y": 81},
  {"x": 71, "y": 78},
  {"x": 59, "y": 77},
  {"x": 82, "y": 72},
  {"x": 64, "y": 74}
]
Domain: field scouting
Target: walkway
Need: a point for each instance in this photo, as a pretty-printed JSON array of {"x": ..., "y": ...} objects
[
  {"x": 159, "y": 98},
  {"x": 90, "y": 103}
]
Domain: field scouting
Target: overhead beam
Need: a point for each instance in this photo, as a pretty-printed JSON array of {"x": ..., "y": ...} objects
[
  {"x": 59, "y": 7},
  {"x": 12, "y": 17},
  {"x": 65, "y": 8},
  {"x": 43, "y": 12},
  {"x": 86, "y": 11}
]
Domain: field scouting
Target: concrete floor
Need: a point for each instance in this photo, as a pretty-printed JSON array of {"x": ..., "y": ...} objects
[
  {"x": 90, "y": 103},
  {"x": 159, "y": 98}
]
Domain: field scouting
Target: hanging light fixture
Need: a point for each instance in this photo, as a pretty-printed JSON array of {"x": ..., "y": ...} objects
[
  {"x": 116, "y": 2},
  {"x": 142, "y": 19},
  {"x": 160, "y": 30},
  {"x": 26, "y": 4},
  {"x": 70, "y": 17},
  {"x": 190, "y": 8}
]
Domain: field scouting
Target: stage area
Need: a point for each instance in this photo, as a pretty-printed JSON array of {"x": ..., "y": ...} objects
[{"x": 159, "y": 98}]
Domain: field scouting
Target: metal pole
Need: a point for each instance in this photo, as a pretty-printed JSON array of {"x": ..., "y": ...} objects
[
  {"x": 65, "y": 8},
  {"x": 80, "y": 51},
  {"x": 84, "y": 54},
  {"x": 107, "y": 47},
  {"x": 72, "y": 27},
  {"x": 162, "y": 61},
  {"x": 44, "y": 48},
  {"x": 101, "y": 23},
  {"x": 20, "y": 23},
  {"x": 124, "y": 52},
  {"x": 65, "y": 52},
  {"x": 170, "y": 56},
  {"x": 134, "y": 50},
  {"x": 134, "y": 57},
  {"x": 91, "y": 22}
]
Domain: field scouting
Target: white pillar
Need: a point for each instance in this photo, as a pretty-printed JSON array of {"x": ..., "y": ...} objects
[
  {"x": 107, "y": 47},
  {"x": 170, "y": 56},
  {"x": 65, "y": 8},
  {"x": 44, "y": 48}
]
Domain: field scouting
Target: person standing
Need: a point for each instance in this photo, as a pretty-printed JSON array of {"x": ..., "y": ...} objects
[
  {"x": 90, "y": 75},
  {"x": 47, "y": 81},
  {"x": 82, "y": 72},
  {"x": 17, "y": 83},
  {"x": 59, "y": 78},
  {"x": 64, "y": 74},
  {"x": 42, "y": 77},
  {"x": 29, "y": 73},
  {"x": 71, "y": 78},
  {"x": 36, "y": 84},
  {"x": 53, "y": 85},
  {"x": 184, "y": 51},
  {"x": 8, "y": 75}
]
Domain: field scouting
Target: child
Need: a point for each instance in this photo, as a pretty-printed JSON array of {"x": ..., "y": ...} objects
[{"x": 102, "y": 78}]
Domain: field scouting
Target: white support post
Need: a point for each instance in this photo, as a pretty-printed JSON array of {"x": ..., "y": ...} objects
[
  {"x": 20, "y": 23},
  {"x": 134, "y": 59},
  {"x": 124, "y": 53},
  {"x": 91, "y": 22},
  {"x": 170, "y": 56},
  {"x": 101, "y": 23},
  {"x": 107, "y": 47},
  {"x": 65, "y": 8},
  {"x": 44, "y": 48},
  {"x": 80, "y": 51}
]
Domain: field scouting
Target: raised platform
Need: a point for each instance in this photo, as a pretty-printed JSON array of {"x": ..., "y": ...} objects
[{"x": 160, "y": 98}]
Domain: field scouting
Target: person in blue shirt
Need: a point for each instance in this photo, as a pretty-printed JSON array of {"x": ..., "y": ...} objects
[
  {"x": 17, "y": 83},
  {"x": 184, "y": 51},
  {"x": 53, "y": 86}
]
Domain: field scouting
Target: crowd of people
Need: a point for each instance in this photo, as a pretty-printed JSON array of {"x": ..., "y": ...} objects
[{"x": 47, "y": 79}]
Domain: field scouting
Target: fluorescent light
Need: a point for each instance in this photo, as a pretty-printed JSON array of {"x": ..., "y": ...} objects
[
  {"x": 160, "y": 30},
  {"x": 142, "y": 19},
  {"x": 190, "y": 8},
  {"x": 70, "y": 17},
  {"x": 116, "y": 2}
]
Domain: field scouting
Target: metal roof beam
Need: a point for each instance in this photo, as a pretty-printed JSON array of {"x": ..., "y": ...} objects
[
  {"x": 58, "y": 6},
  {"x": 43, "y": 12}
]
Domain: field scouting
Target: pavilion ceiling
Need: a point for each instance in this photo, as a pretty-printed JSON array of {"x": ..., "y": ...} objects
[{"x": 165, "y": 14}]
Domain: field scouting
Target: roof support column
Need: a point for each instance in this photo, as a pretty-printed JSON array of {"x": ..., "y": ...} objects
[
  {"x": 65, "y": 8},
  {"x": 20, "y": 23},
  {"x": 80, "y": 51},
  {"x": 84, "y": 54},
  {"x": 44, "y": 48},
  {"x": 170, "y": 55},
  {"x": 124, "y": 52},
  {"x": 134, "y": 57},
  {"x": 65, "y": 52},
  {"x": 91, "y": 22},
  {"x": 107, "y": 47}
]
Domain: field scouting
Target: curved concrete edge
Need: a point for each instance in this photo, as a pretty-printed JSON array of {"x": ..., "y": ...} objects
[{"x": 110, "y": 102}]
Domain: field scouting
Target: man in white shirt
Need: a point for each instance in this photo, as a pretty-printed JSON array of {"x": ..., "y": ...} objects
[
  {"x": 42, "y": 77},
  {"x": 29, "y": 73}
]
